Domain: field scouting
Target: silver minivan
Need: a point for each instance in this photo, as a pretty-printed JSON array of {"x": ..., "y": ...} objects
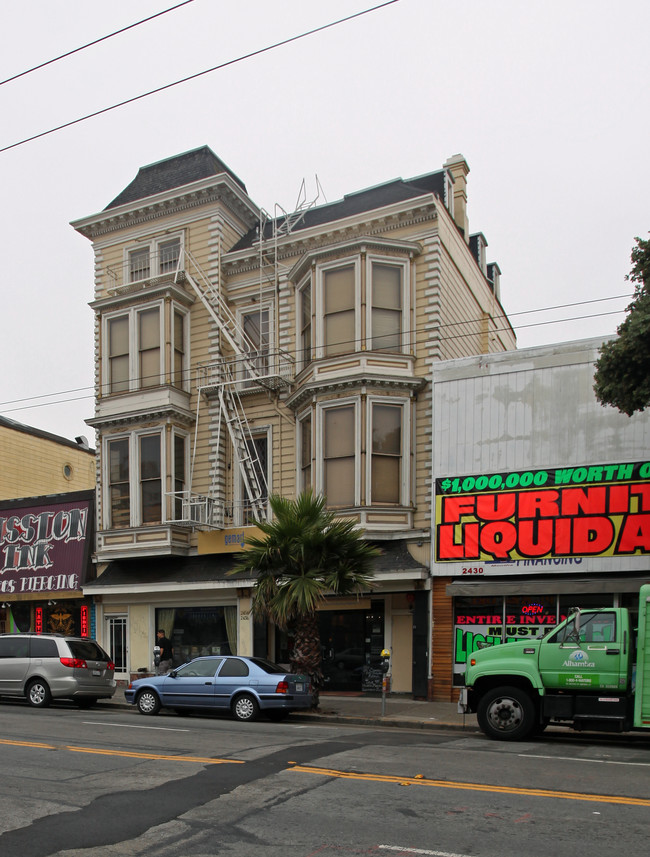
[{"x": 43, "y": 667}]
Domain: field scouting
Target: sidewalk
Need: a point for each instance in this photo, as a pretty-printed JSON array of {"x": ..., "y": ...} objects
[{"x": 400, "y": 711}]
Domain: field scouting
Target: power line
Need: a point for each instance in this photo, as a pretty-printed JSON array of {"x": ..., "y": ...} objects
[
  {"x": 418, "y": 340},
  {"x": 200, "y": 74},
  {"x": 94, "y": 42}
]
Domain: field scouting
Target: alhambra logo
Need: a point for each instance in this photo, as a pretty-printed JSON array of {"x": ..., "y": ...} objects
[{"x": 578, "y": 659}]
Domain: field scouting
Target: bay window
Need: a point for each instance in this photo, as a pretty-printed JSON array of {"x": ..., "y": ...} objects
[
  {"x": 305, "y": 454},
  {"x": 136, "y": 466},
  {"x": 149, "y": 347},
  {"x": 150, "y": 479},
  {"x": 339, "y": 310},
  {"x": 304, "y": 315},
  {"x": 386, "y": 453},
  {"x": 339, "y": 455},
  {"x": 356, "y": 467},
  {"x": 386, "y": 307},
  {"x": 119, "y": 496},
  {"x": 135, "y": 348}
]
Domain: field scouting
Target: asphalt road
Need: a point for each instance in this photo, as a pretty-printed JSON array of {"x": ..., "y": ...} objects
[{"x": 116, "y": 783}]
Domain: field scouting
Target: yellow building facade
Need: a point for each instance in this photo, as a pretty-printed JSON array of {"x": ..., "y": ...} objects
[
  {"x": 240, "y": 355},
  {"x": 47, "y": 490}
]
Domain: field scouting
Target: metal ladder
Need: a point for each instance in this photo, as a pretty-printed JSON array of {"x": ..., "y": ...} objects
[{"x": 231, "y": 408}]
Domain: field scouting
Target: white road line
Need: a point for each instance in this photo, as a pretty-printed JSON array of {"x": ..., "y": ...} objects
[
  {"x": 129, "y": 726},
  {"x": 575, "y": 759},
  {"x": 403, "y": 850}
]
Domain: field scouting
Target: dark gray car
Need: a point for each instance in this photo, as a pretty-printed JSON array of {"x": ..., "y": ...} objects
[{"x": 43, "y": 667}]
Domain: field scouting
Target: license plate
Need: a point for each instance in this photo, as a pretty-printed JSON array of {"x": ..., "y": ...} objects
[
  {"x": 97, "y": 672},
  {"x": 300, "y": 687}
]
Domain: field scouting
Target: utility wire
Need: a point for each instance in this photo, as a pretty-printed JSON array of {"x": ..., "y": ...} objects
[
  {"x": 94, "y": 42},
  {"x": 418, "y": 341},
  {"x": 200, "y": 74}
]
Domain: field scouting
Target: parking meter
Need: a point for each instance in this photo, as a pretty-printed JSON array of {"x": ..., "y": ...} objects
[
  {"x": 385, "y": 661},
  {"x": 156, "y": 656}
]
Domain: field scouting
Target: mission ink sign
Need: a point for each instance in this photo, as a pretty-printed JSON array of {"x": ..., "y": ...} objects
[
  {"x": 601, "y": 510},
  {"x": 44, "y": 545}
]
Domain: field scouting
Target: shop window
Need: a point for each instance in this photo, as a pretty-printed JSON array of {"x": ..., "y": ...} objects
[{"x": 199, "y": 631}]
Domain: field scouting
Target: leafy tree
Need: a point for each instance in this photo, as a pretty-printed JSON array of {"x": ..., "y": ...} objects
[
  {"x": 306, "y": 553},
  {"x": 622, "y": 377}
]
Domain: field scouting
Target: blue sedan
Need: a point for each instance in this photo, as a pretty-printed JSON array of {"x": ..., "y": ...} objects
[{"x": 244, "y": 686}]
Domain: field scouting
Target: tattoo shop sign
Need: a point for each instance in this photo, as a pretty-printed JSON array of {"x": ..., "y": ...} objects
[
  {"x": 599, "y": 510},
  {"x": 45, "y": 547}
]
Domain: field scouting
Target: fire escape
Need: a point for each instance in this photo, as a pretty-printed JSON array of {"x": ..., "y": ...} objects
[{"x": 245, "y": 366}]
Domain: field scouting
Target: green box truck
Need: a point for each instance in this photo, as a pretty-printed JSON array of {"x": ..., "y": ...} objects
[{"x": 592, "y": 671}]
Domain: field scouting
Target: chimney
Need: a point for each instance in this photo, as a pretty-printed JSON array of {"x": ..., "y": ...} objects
[{"x": 458, "y": 167}]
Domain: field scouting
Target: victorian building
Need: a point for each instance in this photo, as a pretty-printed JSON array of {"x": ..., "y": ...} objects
[{"x": 238, "y": 355}]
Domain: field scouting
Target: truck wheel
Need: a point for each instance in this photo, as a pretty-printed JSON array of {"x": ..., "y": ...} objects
[{"x": 506, "y": 713}]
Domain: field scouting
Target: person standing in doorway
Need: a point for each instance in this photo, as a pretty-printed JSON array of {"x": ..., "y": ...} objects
[{"x": 166, "y": 653}]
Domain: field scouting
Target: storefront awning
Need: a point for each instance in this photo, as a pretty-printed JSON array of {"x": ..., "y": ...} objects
[
  {"x": 167, "y": 574},
  {"x": 555, "y": 586}
]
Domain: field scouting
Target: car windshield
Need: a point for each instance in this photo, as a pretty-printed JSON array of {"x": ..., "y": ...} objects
[{"x": 268, "y": 666}]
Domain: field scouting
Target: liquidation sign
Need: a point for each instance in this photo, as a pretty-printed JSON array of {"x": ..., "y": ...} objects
[{"x": 600, "y": 510}]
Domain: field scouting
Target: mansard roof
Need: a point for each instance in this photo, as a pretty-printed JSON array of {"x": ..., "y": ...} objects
[
  {"x": 369, "y": 199},
  {"x": 172, "y": 173}
]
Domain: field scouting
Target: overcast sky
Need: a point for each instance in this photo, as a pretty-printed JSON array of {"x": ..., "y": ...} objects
[{"x": 548, "y": 101}]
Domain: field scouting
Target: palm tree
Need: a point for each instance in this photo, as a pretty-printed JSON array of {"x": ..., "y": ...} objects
[{"x": 306, "y": 554}]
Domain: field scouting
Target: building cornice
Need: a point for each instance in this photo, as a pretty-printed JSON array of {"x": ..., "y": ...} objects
[
  {"x": 135, "y": 417},
  {"x": 221, "y": 188},
  {"x": 317, "y": 389},
  {"x": 320, "y": 238}
]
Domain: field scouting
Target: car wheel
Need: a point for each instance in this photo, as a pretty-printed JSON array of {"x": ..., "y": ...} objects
[
  {"x": 148, "y": 702},
  {"x": 506, "y": 713},
  {"x": 245, "y": 707},
  {"x": 38, "y": 693}
]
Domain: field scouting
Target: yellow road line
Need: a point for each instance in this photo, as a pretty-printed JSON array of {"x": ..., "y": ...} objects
[
  {"x": 27, "y": 744},
  {"x": 479, "y": 787},
  {"x": 96, "y": 751},
  {"x": 129, "y": 755}
]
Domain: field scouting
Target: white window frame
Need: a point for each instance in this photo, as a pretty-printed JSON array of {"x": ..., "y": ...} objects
[
  {"x": 134, "y": 351},
  {"x": 185, "y": 373},
  {"x": 153, "y": 246},
  {"x": 255, "y": 309},
  {"x": 135, "y": 504},
  {"x": 318, "y": 477},
  {"x": 301, "y": 363},
  {"x": 257, "y": 432},
  {"x": 300, "y": 421},
  {"x": 318, "y": 347},
  {"x": 172, "y": 466},
  {"x": 405, "y": 469},
  {"x": 405, "y": 267}
]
